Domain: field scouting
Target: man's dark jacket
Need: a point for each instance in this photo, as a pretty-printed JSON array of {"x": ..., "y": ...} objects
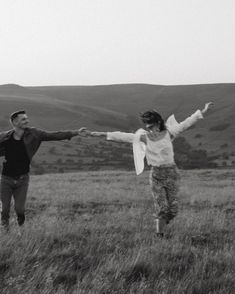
[{"x": 33, "y": 137}]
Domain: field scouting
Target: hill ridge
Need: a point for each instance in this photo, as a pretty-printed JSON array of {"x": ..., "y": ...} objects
[{"x": 117, "y": 107}]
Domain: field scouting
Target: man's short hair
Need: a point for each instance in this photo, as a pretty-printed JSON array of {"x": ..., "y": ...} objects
[{"x": 16, "y": 113}]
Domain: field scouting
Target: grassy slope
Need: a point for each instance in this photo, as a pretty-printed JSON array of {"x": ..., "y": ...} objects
[
  {"x": 181, "y": 100},
  {"x": 116, "y": 107},
  {"x": 108, "y": 106},
  {"x": 94, "y": 233}
]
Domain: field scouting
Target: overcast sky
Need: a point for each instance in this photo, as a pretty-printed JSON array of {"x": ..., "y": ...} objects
[{"x": 89, "y": 42}]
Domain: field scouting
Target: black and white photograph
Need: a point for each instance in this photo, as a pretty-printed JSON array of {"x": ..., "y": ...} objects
[{"x": 117, "y": 146}]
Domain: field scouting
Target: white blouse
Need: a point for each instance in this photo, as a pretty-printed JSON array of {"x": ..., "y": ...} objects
[{"x": 158, "y": 152}]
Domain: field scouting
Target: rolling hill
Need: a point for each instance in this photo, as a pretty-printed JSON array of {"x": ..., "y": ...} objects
[{"x": 116, "y": 107}]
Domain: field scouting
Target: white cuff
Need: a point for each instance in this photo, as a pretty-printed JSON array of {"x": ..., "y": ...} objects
[
  {"x": 108, "y": 136},
  {"x": 199, "y": 114}
]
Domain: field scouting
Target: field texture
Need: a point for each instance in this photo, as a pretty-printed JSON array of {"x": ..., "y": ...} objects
[{"x": 93, "y": 232}]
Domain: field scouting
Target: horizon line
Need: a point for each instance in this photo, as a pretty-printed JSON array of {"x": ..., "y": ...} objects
[{"x": 114, "y": 84}]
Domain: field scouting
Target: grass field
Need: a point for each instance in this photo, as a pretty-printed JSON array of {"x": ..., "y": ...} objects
[{"x": 93, "y": 232}]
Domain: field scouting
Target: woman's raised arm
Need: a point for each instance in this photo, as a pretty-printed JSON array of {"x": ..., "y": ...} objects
[{"x": 176, "y": 128}]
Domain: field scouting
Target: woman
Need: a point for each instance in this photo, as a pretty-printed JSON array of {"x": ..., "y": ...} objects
[{"x": 155, "y": 143}]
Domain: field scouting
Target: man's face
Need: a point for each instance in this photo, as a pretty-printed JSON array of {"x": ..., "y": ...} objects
[{"x": 21, "y": 121}]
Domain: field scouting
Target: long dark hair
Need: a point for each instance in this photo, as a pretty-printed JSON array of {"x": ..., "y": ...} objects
[{"x": 153, "y": 117}]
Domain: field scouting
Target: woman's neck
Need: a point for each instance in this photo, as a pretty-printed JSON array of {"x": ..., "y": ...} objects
[{"x": 154, "y": 136}]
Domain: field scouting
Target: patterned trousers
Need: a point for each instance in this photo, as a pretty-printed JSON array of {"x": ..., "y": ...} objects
[{"x": 164, "y": 181}]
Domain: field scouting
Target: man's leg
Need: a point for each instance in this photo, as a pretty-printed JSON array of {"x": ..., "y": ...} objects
[
  {"x": 20, "y": 194},
  {"x": 6, "y": 194}
]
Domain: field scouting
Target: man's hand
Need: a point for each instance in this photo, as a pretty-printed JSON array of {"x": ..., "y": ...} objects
[
  {"x": 84, "y": 132},
  {"x": 207, "y": 107}
]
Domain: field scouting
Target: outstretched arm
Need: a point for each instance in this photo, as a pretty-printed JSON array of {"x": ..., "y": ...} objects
[
  {"x": 111, "y": 136},
  {"x": 207, "y": 107},
  {"x": 121, "y": 137},
  {"x": 56, "y": 136},
  {"x": 176, "y": 128},
  {"x": 98, "y": 134}
]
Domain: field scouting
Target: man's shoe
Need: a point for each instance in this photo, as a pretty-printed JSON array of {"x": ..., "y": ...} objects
[{"x": 20, "y": 219}]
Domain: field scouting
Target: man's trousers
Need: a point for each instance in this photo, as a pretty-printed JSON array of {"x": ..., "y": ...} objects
[{"x": 16, "y": 187}]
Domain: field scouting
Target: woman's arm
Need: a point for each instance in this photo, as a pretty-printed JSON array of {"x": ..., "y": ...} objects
[
  {"x": 176, "y": 128},
  {"x": 207, "y": 107},
  {"x": 98, "y": 134},
  {"x": 116, "y": 136},
  {"x": 111, "y": 136}
]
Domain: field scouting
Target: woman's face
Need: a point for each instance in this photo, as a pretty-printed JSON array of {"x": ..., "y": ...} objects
[{"x": 152, "y": 128}]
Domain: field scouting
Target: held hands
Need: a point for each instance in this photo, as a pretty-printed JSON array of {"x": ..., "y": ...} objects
[
  {"x": 84, "y": 132},
  {"x": 207, "y": 107}
]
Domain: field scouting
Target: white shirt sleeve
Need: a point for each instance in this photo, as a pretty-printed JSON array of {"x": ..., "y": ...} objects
[
  {"x": 138, "y": 146},
  {"x": 120, "y": 137},
  {"x": 176, "y": 128}
]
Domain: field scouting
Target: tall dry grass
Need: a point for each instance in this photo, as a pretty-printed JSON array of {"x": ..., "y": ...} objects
[{"x": 93, "y": 232}]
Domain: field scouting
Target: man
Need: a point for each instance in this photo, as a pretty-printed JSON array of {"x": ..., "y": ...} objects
[{"x": 19, "y": 145}]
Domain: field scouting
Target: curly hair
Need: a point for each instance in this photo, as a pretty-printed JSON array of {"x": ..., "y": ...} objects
[{"x": 153, "y": 117}]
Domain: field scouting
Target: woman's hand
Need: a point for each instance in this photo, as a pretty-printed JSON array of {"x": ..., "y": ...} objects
[
  {"x": 207, "y": 107},
  {"x": 84, "y": 132}
]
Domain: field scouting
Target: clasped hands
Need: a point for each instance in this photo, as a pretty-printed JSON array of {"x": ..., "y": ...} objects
[{"x": 84, "y": 132}]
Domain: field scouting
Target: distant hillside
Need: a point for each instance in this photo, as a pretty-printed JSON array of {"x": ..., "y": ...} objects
[{"x": 116, "y": 107}]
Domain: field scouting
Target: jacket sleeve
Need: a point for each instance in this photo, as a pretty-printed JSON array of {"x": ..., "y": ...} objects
[
  {"x": 55, "y": 136},
  {"x": 3, "y": 136},
  {"x": 2, "y": 151},
  {"x": 120, "y": 137},
  {"x": 176, "y": 128}
]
